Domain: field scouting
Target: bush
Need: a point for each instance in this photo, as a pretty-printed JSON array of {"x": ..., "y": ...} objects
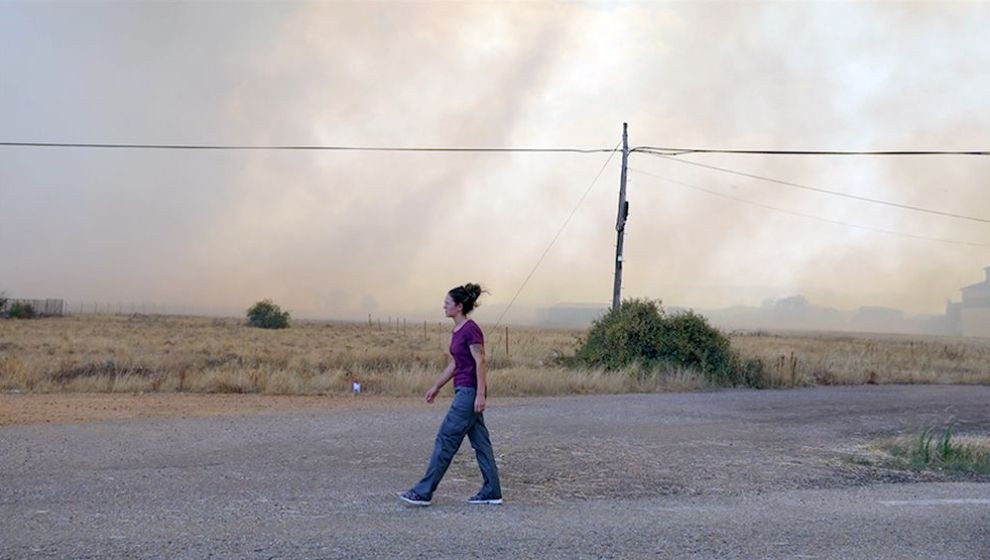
[
  {"x": 267, "y": 315},
  {"x": 20, "y": 310},
  {"x": 641, "y": 332}
]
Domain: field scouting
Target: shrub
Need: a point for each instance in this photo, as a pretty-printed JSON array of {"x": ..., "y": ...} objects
[
  {"x": 20, "y": 310},
  {"x": 624, "y": 335},
  {"x": 266, "y": 315},
  {"x": 641, "y": 332}
]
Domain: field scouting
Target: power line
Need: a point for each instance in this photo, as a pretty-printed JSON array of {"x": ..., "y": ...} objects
[
  {"x": 322, "y": 148},
  {"x": 642, "y": 149},
  {"x": 559, "y": 231},
  {"x": 811, "y": 216},
  {"x": 684, "y": 151},
  {"x": 825, "y": 191}
]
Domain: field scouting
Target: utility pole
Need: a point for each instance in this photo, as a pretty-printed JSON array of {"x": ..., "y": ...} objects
[{"x": 620, "y": 223}]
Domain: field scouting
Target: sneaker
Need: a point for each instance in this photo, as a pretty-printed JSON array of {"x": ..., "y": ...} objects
[
  {"x": 479, "y": 499},
  {"x": 413, "y": 498}
]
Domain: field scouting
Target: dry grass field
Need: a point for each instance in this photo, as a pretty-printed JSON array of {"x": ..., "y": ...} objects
[
  {"x": 142, "y": 353},
  {"x": 807, "y": 359}
]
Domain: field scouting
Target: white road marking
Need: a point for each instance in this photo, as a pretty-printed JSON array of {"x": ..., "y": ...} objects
[{"x": 945, "y": 502}]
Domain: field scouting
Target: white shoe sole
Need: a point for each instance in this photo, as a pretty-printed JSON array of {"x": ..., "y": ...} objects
[
  {"x": 489, "y": 502},
  {"x": 413, "y": 502}
]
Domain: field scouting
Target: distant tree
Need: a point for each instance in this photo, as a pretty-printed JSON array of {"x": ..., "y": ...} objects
[
  {"x": 267, "y": 315},
  {"x": 796, "y": 303}
]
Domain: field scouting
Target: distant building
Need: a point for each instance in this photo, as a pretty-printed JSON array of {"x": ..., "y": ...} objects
[
  {"x": 953, "y": 317},
  {"x": 971, "y": 316}
]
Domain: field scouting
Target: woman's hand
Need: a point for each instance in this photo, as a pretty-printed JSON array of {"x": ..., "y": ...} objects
[
  {"x": 479, "y": 403},
  {"x": 432, "y": 393}
]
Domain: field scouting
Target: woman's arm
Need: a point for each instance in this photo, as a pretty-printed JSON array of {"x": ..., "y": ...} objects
[
  {"x": 448, "y": 372},
  {"x": 478, "y": 353}
]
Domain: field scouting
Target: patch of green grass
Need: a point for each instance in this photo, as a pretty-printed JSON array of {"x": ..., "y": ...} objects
[{"x": 935, "y": 451}]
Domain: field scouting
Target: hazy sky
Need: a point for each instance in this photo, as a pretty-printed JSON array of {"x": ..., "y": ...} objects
[{"x": 342, "y": 234}]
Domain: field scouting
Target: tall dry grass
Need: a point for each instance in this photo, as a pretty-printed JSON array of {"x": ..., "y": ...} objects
[
  {"x": 805, "y": 359},
  {"x": 157, "y": 353}
]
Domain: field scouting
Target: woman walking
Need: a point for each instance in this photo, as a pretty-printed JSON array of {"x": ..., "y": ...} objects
[{"x": 465, "y": 417}]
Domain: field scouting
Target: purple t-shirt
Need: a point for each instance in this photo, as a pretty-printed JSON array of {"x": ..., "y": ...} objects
[{"x": 465, "y": 370}]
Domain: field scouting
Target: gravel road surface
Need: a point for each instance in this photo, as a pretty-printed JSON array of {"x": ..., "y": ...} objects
[{"x": 726, "y": 474}]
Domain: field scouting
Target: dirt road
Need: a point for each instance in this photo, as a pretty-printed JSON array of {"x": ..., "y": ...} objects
[{"x": 728, "y": 474}]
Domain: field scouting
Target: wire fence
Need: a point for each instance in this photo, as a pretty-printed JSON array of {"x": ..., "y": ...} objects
[
  {"x": 41, "y": 307},
  {"x": 439, "y": 331},
  {"x": 148, "y": 308}
]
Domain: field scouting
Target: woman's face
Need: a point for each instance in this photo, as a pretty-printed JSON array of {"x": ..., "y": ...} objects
[{"x": 450, "y": 308}]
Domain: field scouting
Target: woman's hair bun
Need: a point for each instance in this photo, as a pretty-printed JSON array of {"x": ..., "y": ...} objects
[
  {"x": 473, "y": 291},
  {"x": 467, "y": 295}
]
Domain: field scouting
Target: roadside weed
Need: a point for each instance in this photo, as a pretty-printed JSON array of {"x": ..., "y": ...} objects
[{"x": 943, "y": 451}]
